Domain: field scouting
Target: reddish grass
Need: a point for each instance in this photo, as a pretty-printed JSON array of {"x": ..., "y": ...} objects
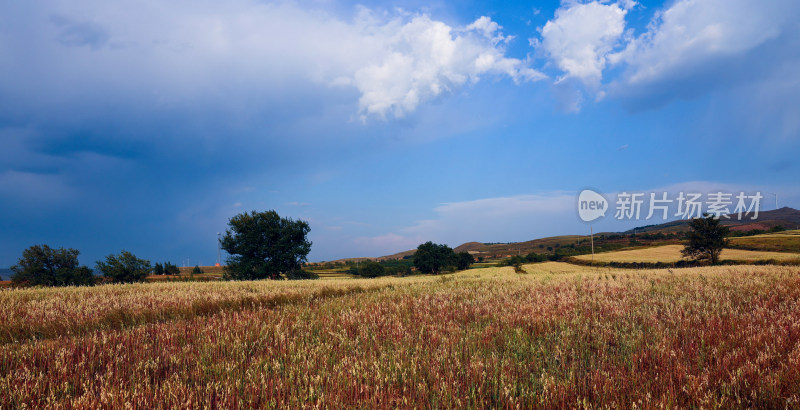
[{"x": 700, "y": 337}]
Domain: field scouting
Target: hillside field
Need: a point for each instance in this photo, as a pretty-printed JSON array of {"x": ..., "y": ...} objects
[
  {"x": 672, "y": 253},
  {"x": 788, "y": 241},
  {"x": 558, "y": 335}
]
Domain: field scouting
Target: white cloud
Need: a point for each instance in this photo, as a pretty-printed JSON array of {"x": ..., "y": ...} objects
[
  {"x": 581, "y": 36},
  {"x": 424, "y": 58},
  {"x": 690, "y": 48},
  {"x": 691, "y": 34},
  {"x": 177, "y": 53}
]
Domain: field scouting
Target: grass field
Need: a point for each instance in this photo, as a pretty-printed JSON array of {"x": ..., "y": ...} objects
[
  {"x": 672, "y": 253},
  {"x": 787, "y": 241},
  {"x": 559, "y": 335}
]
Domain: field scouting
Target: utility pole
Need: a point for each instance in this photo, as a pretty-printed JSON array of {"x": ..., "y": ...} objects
[
  {"x": 591, "y": 233},
  {"x": 219, "y": 249}
]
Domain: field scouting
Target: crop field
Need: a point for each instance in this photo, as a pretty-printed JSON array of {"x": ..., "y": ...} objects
[
  {"x": 672, "y": 253},
  {"x": 559, "y": 335},
  {"x": 788, "y": 241}
]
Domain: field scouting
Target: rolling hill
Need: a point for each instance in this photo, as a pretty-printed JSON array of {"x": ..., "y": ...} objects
[{"x": 785, "y": 217}]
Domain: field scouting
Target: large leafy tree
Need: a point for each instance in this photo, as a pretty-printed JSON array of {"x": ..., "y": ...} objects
[
  {"x": 41, "y": 265},
  {"x": 124, "y": 268},
  {"x": 432, "y": 258},
  {"x": 706, "y": 239},
  {"x": 464, "y": 260},
  {"x": 263, "y": 245}
]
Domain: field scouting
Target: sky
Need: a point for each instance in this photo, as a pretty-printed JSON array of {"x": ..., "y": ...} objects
[{"x": 145, "y": 125}]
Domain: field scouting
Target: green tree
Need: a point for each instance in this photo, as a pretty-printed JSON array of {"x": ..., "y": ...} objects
[
  {"x": 464, "y": 260},
  {"x": 171, "y": 269},
  {"x": 124, "y": 268},
  {"x": 196, "y": 270},
  {"x": 535, "y": 257},
  {"x": 263, "y": 245},
  {"x": 371, "y": 269},
  {"x": 432, "y": 258},
  {"x": 158, "y": 269},
  {"x": 706, "y": 239},
  {"x": 41, "y": 265}
]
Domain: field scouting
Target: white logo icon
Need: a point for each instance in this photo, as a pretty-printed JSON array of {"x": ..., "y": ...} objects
[{"x": 591, "y": 205}]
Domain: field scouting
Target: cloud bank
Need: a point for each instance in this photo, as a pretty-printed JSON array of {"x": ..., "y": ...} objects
[
  {"x": 174, "y": 52},
  {"x": 689, "y": 47}
]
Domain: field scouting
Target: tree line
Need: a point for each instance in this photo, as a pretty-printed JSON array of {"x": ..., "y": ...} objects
[
  {"x": 41, "y": 265},
  {"x": 262, "y": 245}
]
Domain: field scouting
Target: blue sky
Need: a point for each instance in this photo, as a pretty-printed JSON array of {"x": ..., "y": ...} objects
[{"x": 146, "y": 125}]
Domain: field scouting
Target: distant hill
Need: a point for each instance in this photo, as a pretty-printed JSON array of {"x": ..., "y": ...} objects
[
  {"x": 786, "y": 217},
  {"x": 494, "y": 250}
]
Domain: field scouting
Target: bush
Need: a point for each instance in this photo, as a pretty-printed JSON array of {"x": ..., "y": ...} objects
[
  {"x": 535, "y": 257},
  {"x": 371, "y": 269},
  {"x": 196, "y": 270},
  {"x": 301, "y": 274}
]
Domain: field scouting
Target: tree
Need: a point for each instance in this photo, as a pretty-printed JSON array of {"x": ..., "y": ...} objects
[
  {"x": 171, "y": 269},
  {"x": 706, "y": 239},
  {"x": 196, "y": 270},
  {"x": 535, "y": 257},
  {"x": 371, "y": 269},
  {"x": 158, "y": 269},
  {"x": 463, "y": 260},
  {"x": 264, "y": 245},
  {"x": 124, "y": 268},
  {"x": 41, "y": 265},
  {"x": 431, "y": 257}
]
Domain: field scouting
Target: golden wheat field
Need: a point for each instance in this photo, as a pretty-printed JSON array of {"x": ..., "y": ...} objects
[
  {"x": 555, "y": 336},
  {"x": 672, "y": 253}
]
